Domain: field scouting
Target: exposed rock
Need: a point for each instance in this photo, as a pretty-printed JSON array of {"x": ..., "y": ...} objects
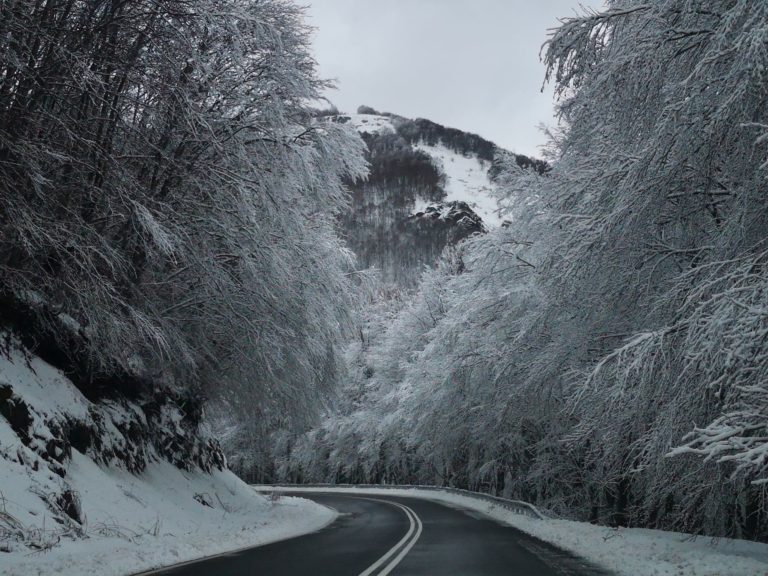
[{"x": 455, "y": 213}]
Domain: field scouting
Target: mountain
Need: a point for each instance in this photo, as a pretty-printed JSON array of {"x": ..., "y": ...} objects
[{"x": 430, "y": 186}]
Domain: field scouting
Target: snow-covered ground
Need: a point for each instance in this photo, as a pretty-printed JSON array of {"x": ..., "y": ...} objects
[
  {"x": 131, "y": 523},
  {"x": 466, "y": 181},
  {"x": 371, "y": 123},
  {"x": 626, "y": 551}
]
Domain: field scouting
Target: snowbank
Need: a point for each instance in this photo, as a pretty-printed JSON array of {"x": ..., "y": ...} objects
[
  {"x": 62, "y": 513},
  {"x": 626, "y": 551},
  {"x": 136, "y": 523}
]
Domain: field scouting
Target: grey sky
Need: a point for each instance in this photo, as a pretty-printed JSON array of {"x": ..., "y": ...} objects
[{"x": 470, "y": 64}]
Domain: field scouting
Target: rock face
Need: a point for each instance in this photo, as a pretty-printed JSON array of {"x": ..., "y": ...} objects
[
  {"x": 457, "y": 215},
  {"x": 429, "y": 187}
]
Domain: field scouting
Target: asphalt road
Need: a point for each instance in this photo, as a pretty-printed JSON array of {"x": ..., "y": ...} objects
[{"x": 377, "y": 536}]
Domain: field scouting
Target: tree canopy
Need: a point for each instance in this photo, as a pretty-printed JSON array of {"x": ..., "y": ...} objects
[{"x": 167, "y": 195}]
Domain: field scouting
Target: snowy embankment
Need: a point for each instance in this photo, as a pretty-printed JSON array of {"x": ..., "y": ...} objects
[
  {"x": 63, "y": 513},
  {"x": 623, "y": 551}
]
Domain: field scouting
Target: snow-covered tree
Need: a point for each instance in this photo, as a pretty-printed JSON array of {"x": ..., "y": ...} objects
[
  {"x": 166, "y": 189},
  {"x": 606, "y": 353}
]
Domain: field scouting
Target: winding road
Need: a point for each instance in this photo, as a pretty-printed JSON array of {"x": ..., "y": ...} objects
[{"x": 381, "y": 535}]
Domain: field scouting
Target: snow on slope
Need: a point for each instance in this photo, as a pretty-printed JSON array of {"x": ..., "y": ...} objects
[
  {"x": 466, "y": 181},
  {"x": 466, "y": 176},
  {"x": 371, "y": 123},
  {"x": 624, "y": 551},
  {"x": 131, "y": 522}
]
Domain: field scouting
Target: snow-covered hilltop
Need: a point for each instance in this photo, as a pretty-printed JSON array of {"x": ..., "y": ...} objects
[
  {"x": 419, "y": 167},
  {"x": 371, "y": 122},
  {"x": 466, "y": 172}
]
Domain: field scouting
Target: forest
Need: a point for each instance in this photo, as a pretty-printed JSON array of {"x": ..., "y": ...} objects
[
  {"x": 604, "y": 355},
  {"x": 172, "y": 212},
  {"x": 166, "y": 195}
]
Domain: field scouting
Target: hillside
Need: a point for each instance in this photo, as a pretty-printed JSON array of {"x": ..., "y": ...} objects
[{"x": 418, "y": 167}]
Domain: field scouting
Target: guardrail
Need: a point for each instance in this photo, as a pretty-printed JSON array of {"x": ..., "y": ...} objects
[{"x": 516, "y": 506}]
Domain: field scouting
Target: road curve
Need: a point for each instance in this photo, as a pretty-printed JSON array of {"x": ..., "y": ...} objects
[{"x": 383, "y": 535}]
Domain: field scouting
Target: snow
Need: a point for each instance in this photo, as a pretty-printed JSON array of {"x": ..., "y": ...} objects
[
  {"x": 623, "y": 551},
  {"x": 132, "y": 522},
  {"x": 41, "y": 385},
  {"x": 138, "y": 523},
  {"x": 466, "y": 176},
  {"x": 466, "y": 181},
  {"x": 371, "y": 123}
]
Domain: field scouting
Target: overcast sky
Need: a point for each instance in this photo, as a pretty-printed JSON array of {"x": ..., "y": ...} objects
[{"x": 469, "y": 64}]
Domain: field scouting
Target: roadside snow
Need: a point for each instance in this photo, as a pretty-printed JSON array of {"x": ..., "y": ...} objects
[
  {"x": 466, "y": 181},
  {"x": 626, "y": 551},
  {"x": 132, "y": 523},
  {"x": 137, "y": 523}
]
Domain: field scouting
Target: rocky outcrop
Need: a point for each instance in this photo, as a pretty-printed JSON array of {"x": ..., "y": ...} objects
[{"x": 456, "y": 214}]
